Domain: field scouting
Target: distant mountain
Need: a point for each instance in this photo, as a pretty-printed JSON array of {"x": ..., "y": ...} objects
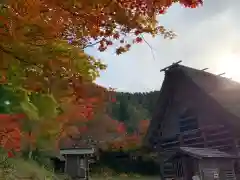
[{"x": 130, "y": 108}]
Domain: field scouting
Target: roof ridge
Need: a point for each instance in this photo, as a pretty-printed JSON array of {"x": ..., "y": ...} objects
[{"x": 209, "y": 73}]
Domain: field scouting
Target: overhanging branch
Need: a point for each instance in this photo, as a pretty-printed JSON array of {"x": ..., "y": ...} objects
[{"x": 17, "y": 57}]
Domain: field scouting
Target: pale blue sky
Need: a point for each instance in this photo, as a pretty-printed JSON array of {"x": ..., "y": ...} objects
[{"x": 207, "y": 37}]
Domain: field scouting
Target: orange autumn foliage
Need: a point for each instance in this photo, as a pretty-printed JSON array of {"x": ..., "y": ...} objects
[
  {"x": 71, "y": 122},
  {"x": 127, "y": 142},
  {"x": 131, "y": 141},
  {"x": 84, "y": 105},
  {"x": 77, "y": 119},
  {"x": 102, "y": 129},
  {"x": 45, "y": 39},
  {"x": 82, "y": 22},
  {"x": 10, "y": 132},
  {"x": 143, "y": 126}
]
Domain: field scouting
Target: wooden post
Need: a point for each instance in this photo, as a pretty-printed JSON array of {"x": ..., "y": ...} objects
[
  {"x": 161, "y": 163},
  {"x": 168, "y": 67},
  {"x": 87, "y": 172},
  {"x": 65, "y": 164},
  {"x": 235, "y": 142},
  {"x": 236, "y": 146},
  {"x": 180, "y": 138},
  {"x": 184, "y": 165},
  {"x": 204, "y": 138},
  {"x": 201, "y": 175},
  {"x": 221, "y": 74}
]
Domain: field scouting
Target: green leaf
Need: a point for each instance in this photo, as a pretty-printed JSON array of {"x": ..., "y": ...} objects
[
  {"x": 30, "y": 110},
  {"x": 15, "y": 74},
  {"x": 46, "y": 105}
]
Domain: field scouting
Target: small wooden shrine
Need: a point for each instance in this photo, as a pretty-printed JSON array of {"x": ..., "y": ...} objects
[
  {"x": 77, "y": 162},
  {"x": 75, "y": 158},
  {"x": 206, "y": 163}
]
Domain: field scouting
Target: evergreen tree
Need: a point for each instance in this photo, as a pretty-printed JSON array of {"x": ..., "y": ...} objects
[
  {"x": 123, "y": 111},
  {"x": 131, "y": 108}
]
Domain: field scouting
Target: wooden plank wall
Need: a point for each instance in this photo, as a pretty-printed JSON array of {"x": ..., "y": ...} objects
[{"x": 216, "y": 137}]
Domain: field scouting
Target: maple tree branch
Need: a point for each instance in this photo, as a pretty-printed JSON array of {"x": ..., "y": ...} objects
[
  {"x": 17, "y": 57},
  {"x": 93, "y": 44},
  {"x": 148, "y": 46}
]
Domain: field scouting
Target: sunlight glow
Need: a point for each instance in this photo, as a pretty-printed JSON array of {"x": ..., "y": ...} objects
[{"x": 230, "y": 64}]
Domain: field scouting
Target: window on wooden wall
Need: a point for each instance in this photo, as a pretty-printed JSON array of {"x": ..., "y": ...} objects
[
  {"x": 188, "y": 121},
  {"x": 178, "y": 167},
  {"x": 159, "y": 128}
]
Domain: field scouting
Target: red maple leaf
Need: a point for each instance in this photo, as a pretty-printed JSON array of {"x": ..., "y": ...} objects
[
  {"x": 10, "y": 154},
  {"x": 138, "y": 39}
]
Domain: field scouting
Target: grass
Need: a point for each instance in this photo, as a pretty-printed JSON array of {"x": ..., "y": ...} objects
[
  {"x": 110, "y": 175},
  {"x": 16, "y": 168},
  {"x": 127, "y": 178}
]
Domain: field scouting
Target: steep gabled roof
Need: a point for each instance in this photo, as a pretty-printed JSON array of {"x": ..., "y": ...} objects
[
  {"x": 225, "y": 91},
  {"x": 222, "y": 90}
]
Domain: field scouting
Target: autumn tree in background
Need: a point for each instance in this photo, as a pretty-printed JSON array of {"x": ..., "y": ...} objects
[
  {"x": 143, "y": 127},
  {"x": 131, "y": 108},
  {"x": 129, "y": 141},
  {"x": 17, "y": 132},
  {"x": 102, "y": 129},
  {"x": 42, "y": 58}
]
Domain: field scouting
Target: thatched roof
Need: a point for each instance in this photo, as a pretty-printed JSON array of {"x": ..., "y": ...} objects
[{"x": 223, "y": 90}]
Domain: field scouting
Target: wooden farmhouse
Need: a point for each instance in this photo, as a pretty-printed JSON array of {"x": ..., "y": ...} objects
[{"x": 195, "y": 109}]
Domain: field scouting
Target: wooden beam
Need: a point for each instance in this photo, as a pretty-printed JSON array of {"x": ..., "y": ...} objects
[
  {"x": 170, "y": 143},
  {"x": 173, "y": 64},
  {"x": 221, "y": 74},
  {"x": 204, "y": 69},
  {"x": 192, "y": 139}
]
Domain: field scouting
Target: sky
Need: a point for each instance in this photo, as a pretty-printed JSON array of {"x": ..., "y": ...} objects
[{"x": 207, "y": 37}]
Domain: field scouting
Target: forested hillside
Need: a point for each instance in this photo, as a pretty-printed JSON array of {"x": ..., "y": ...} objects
[{"x": 130, "y": 108}]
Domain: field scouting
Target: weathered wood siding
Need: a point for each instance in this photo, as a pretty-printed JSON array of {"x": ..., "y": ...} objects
[
  {"x": 71, "y": 166},
  {"x": 76, "y": 166},
  {"x": 206, "y": 168},
  {"x": 225, "y": 169}
]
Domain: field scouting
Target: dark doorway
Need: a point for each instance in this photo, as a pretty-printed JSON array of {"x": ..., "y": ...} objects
[
  {"x": 58, "y": 165},
  {"x": 189, "y": 165}
]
